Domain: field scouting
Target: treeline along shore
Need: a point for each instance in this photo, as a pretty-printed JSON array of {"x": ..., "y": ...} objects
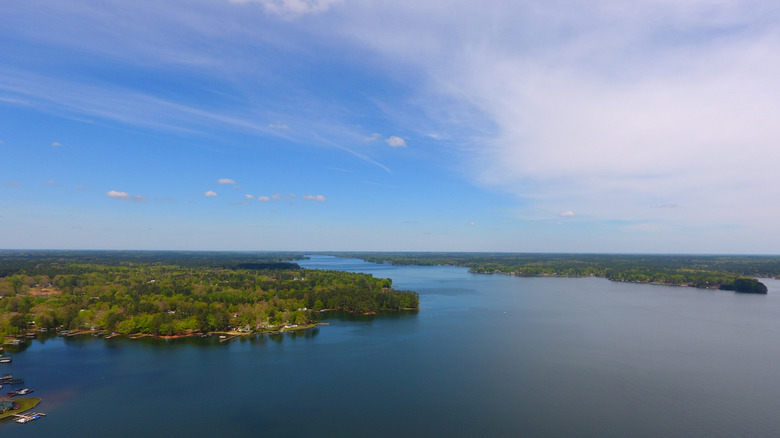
[
  {"x": 178, "y": 293},
  {"x": 727, "y": 272}
]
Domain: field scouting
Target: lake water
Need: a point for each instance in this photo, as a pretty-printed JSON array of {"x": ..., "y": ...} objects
[{"x": 486, "y": 355}]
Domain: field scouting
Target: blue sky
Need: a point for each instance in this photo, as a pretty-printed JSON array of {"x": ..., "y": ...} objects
[{"x": 523, "y": 126}]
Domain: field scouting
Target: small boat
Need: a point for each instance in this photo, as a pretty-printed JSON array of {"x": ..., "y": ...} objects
[
  {"x": 5, "y": 359},
  {"x": 19, "y": 392}
]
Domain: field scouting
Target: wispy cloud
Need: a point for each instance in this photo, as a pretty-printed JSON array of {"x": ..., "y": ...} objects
[
  {"x": 567, "y": 213},
  {"x": 11, "y": 184},
  {"x": 356, "y": 154},
  {"x": 225, "y": 181},
  {"x": 210, "y": 194},
  {"x": 56, "y": 144},
  {"x": 248, "y": 196},
  {"x": 278, "y": 126},
  {"x": 373, "y": 137},
  {"x": 603, "y": 108},
  {"x": 263, "y": 199},
  {"x": 317, "y": 198},
  {"x": 293, "y": 8}
]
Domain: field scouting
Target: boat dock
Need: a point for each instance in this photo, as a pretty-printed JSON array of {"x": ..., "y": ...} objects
[{"x": 27, "y": 417}]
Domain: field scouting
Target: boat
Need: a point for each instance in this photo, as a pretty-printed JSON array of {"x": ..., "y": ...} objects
[
  {"x": 19, "y": 392},
  {"x": 5, "y": 359}
]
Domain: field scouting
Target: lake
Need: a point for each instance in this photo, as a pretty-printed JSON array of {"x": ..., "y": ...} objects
[{"x": 486, "y": 355}]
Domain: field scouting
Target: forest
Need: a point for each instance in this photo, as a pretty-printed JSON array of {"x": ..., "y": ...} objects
[
  {"x": 727, "y": 272},
  {"x": 178, "y": 293}
]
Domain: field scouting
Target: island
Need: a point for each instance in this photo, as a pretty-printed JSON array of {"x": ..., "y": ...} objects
[{"x": 178, "y": 293}]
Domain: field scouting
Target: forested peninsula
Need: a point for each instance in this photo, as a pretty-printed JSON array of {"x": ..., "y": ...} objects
[
  {"x": 178, "y": 293},
  {"x": 726, "y": 272}
]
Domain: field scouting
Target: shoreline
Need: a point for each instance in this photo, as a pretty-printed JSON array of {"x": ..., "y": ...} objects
[{"x": 232, "y": 334}]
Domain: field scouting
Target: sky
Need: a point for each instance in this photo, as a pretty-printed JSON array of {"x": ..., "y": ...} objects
[{"x": 379, "y": 125}]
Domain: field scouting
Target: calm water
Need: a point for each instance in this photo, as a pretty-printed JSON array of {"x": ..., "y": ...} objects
[{"x": 486, "y": 355}]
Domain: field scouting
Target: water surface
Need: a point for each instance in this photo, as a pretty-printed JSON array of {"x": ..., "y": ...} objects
[{"x": 486, "y": 355}]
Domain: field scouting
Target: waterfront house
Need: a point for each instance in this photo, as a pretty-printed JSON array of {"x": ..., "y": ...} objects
[{"x": 7, "y": 403}]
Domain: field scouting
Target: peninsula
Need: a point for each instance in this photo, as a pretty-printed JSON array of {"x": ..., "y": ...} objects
[{"x": 177, "y": 293}]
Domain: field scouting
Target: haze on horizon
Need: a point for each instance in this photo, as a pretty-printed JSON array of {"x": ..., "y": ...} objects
[{"x": 525, "y": 126}]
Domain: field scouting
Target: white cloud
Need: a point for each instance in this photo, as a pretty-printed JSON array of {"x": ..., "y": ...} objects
[
  {"x": 210, "y": 194},
  {"x": 248, "y": 196},
  {"x": 567, "y": 213},
  {"x": 48, "y": 181},
  {"x": 226, "y": 181},
  {"x": 293, "y": 7},
  {"x": 373, "y": 137},
  {"x": 117, "y": 195},
  {"x": 56, "y": 144},
  {"x": 472, "y": 224},
  {"x": 396, "y": 142},
  {"x": 280, "y": 196},
  {"x": 263, "y": 198},
  {"x": 12, "y": 184},
  {"x": 605, "y": 108},
  {"x": 278, "y": 126},
  {"x": 318, "y": 198},
  {"x": 139, "y": 199}
]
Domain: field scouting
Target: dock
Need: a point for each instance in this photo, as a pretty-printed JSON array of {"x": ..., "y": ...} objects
[{"x": 27, "y": 417}]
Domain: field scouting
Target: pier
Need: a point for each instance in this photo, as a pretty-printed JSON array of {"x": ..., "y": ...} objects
[{"x": 26, "y": 418}]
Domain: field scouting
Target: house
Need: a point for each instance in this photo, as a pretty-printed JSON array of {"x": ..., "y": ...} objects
[{"x": 7, "y": 403}]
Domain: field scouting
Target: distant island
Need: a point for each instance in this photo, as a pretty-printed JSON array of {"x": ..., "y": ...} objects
[
  {"x": 726, "y": 272},
  {"x": 178, "y": 293}
]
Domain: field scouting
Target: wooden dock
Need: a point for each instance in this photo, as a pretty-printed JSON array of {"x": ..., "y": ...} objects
[{"x": 28, "y": 417}]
